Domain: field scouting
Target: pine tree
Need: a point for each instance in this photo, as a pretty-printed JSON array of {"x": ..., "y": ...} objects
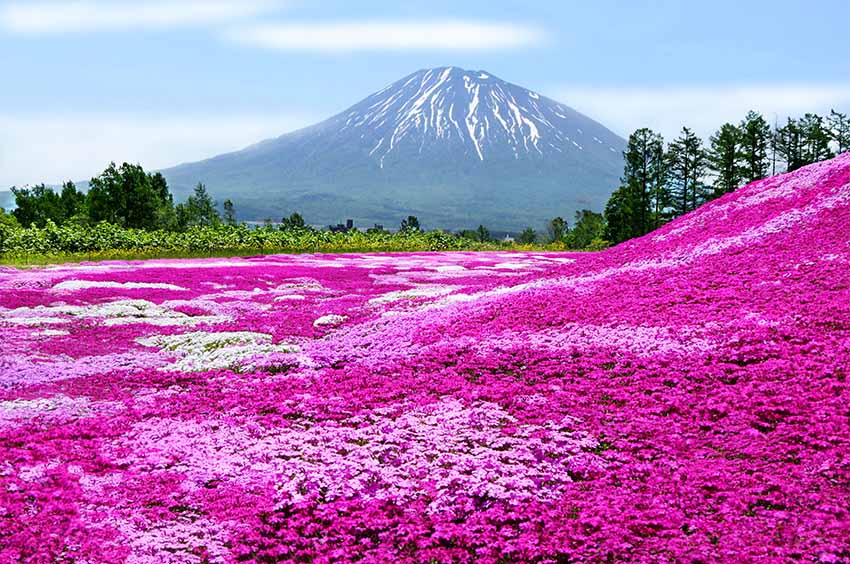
[
  {"x": 687, "y": 165},
  {"x": 723, "y": 157},
  {"x": 229, "y": 212},
  {"x": 817, "y": 139},
  {"x": 803, "y": 141},
  {"x": 788, "y": 143},
  {"x": 755, "y": 142},
  {"x": 200, "y": 208},
  {"x": 644, "y": 176},
  {"x": 839, "y": 128}
]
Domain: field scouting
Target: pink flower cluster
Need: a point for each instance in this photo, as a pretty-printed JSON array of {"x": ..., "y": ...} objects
[{"x": 679, "y": 398}]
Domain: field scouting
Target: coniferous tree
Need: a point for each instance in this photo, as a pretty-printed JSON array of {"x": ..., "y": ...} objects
[
  {"x": 200, "y": 209},
  {"x": 788, "y": 143},
  {"x": 644, "y": 175},
  {"x": 839, "y": 128},
  {"x": 723, "y": 158},
  {"x": 687, "y": 163},
  {"x": 817, "y": 139},
  {"x": 755, "y": 143},
  {"x": 229, "y": 212}
]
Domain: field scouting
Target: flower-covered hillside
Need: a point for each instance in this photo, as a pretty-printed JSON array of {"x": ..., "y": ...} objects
[{"x": 679, "y": 398}]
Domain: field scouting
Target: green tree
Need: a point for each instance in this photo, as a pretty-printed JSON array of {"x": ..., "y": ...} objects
[
  {"x": 839, "y": 128},
  {"x": 129, "y": 197},
  {"x": 37, "y": 205},
  {"x": 293, "y": 222},
  {"x": 788, "y": 143},
  {"x": 644, "y": 180},
  {"x": 817, "y": 139},
  {"x": 589, "y": 225},
  {"x": 482, "y": 234},
  {"x": 72, "y": 201},
  {"x": 619, "y": 216},
  {"x": 200, "y": 209},
  {"x": 754, "y": 142},
  {"x": 687, "y": 166},
  {"x": 724, "y": 155},
  {"x": 7, "y": 219},
  {"x": 410, "y": 224},
  {"x": 527, "y": 237},
  {"x": 229, "y": 212},
  {"x": 556, "y": 229}
]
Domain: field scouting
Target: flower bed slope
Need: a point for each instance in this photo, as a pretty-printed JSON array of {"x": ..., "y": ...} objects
[{"x": 679, "y": 398}]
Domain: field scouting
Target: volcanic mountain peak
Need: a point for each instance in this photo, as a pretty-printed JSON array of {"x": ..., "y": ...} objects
[
  {"x": 488, "y": 115},
  {"x": 455, "y": 147}
]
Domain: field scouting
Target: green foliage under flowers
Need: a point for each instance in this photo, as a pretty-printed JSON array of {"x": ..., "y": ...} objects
[{"x": 53, "y": 243}]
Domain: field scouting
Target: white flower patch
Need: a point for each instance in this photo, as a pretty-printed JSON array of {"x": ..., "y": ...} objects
[
  {"x": 512, "y": 266},
  {"x": 16, "y": 412},
  {"x": 448, "y": 268},
  {"x": 34, "y": 320},
  {"x": 299, "y": 284},
  {"x": 119, "y": 312},
  {"x": 329, "y": 320},
  {"x": 198, "y": 351},
  {"x": 50, "y": 333},
  {"x": 424, "y": 291},
  {"x": 72, "y": 285},
  {"x": 289, "y": 297}
]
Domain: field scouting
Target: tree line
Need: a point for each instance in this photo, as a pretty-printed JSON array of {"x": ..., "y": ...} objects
[
  {"x": 124, "y": 196},
  {"x": 664, "y": 181}
]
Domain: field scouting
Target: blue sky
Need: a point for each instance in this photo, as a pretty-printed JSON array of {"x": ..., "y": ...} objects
[{"x": 162, "y": 82}]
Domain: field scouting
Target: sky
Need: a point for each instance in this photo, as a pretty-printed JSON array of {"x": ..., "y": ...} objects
[{"x": 163, "y": 82}]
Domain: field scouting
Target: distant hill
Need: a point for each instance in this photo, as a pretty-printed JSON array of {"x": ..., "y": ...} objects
[{"x": 452, "y": 146}]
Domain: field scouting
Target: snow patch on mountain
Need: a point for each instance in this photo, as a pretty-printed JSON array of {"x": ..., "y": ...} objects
[{"x": 484, "y": 113}]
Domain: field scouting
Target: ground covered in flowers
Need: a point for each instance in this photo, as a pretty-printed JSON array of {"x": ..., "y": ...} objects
[{"x": 679, "y": 398}]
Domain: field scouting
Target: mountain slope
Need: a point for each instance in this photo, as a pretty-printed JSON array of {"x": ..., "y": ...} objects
[{"x": 455, "y": 147}]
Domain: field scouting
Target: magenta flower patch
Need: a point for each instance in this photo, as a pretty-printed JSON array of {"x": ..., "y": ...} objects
[{"x": 679, "y": 398}]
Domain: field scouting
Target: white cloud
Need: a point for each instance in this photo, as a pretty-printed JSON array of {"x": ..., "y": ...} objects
[
  {"x": 79, "y": 16},
  {"x": 56, "y": 148},
  {"x": 703, "y": 109},
  {"x": 448, "y": 35}
]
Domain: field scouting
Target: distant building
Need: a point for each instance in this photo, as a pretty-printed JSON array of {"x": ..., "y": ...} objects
[{"x": 340, "y": 228}]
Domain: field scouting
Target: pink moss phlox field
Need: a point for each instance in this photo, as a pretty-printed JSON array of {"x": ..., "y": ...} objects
[{"x": 679, "y": 398}]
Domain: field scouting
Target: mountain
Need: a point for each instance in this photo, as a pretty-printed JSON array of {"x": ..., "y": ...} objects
[{"x": 452, "y": 146}]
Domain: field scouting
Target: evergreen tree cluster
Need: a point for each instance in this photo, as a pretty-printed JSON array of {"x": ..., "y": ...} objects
[{"x": 661, "y": 182}]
